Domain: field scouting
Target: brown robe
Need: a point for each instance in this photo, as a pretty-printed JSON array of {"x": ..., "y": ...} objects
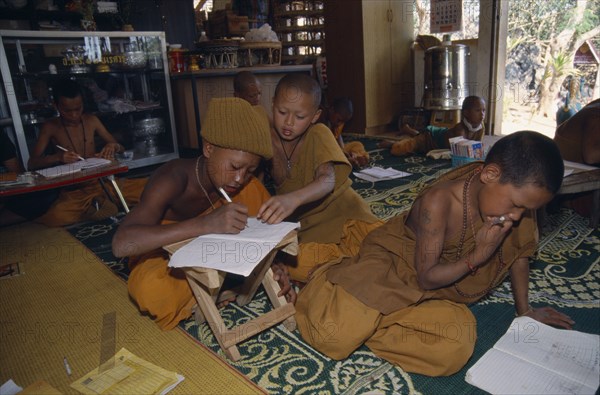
[
  {"x": 323, "y": 220},
  {"x": 374, "y": 299},
  {"x": 334, "y": 226},
  {"x": 386, "y": 258}
]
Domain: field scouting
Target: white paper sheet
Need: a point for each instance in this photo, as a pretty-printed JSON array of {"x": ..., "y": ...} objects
[
  {"x": 69, "y": 168},
  {"x": 237, "y": 254},
  {"x": 374, "y": 174},
  {"x": 10, "y": 388}
]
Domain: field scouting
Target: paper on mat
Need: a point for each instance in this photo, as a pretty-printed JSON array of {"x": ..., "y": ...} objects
[
  {"x": 237, "y": 254},
  {"x": 129, "y": 375},
  {"x": 10, "y": 388},
  {"x": 539, "y": 359},
  {"x": 69, "y": 168},
  {"x": 374, "y": 174}
]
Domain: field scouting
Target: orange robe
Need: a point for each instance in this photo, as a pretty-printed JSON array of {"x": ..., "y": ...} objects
[
  {"x": 374, "y": 298},
  {"x": 164, "y": 292},
  {"x": 336, "y": 225},
  {"x": 75, "y": 202}
]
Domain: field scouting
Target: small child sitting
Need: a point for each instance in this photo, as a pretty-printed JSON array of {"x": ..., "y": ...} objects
[
  {"x": 415, "y": 276},
  {"x": 335, "y": 118},
  {"x": 470, "y": 127},
  {"x": 311, "y": 176}
]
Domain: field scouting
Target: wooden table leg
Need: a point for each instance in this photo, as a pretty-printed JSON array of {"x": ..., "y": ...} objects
[
  {"x": 206, "y": 303},
  {"x": 272, "y": 288}
]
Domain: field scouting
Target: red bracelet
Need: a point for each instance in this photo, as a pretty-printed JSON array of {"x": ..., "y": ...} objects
[{"x": 471, "y": 268}]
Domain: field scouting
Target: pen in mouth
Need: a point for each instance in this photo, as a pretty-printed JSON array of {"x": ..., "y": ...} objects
[{"x": 499, "y": 220}]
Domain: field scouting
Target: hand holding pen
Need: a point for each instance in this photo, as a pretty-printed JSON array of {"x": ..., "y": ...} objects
[
  {"x": 69, "y": 154},
  {"x": 226, "y": 196}
]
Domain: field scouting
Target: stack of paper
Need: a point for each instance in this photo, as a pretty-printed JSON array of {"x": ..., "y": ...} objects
[
  {"x": 237, "y": 254},
  {"x": 374, "y": 174},
  {"x": 69, "y": 168}
]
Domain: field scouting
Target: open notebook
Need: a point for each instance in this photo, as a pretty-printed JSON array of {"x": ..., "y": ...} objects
[
  {"x": 70, "y": 168},
  {"x": 534, "y": 358}
]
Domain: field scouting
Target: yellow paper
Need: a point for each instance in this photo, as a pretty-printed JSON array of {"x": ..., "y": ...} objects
[{"x": 128, "y": 375}]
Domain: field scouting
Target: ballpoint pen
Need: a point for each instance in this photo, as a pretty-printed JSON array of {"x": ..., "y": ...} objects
[
  {"x": 499, "y": 220},
  {"x": 67, "y": 366},
  {"x": 225, "y": 195},
  {"x": 66, "y": 150}
]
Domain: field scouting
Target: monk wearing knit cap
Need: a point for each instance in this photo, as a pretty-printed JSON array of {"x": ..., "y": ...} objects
[{"x": 181, "y": 201}]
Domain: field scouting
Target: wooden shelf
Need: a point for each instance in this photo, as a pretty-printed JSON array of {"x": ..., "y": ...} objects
[
  {"x": 281, "y": 21},
  {"x": 306, "y": 43},
  {"x": 307, "y": 13},
  {"x": 293, "y": 29}
]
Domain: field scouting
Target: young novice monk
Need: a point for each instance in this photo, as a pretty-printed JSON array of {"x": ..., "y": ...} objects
[
  {"x": 335, "y": 117},
  {"x": 405, "y": 294},
  {"x": 246, "y": 86},
  {"x": 76, "y": 132},
  {"x": 182, "y": 201},
  {"x": 470, "y": 127},
  {"x": 311, "y": 179}
]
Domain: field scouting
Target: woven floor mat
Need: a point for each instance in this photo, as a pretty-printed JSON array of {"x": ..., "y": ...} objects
[{"x": 55, "y": 308}]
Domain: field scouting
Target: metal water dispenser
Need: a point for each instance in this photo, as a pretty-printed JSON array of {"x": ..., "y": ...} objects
[{"x": 446, "y": 70}]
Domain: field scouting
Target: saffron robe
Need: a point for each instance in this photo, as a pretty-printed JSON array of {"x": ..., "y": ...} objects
[
  {"x": 433, "y": 138},
  {"x": 374, "y": 297},
  {"x": 75, "y": 201},
  {"x": 164, "y": 292},
  {"x": 335, "y": 225}
]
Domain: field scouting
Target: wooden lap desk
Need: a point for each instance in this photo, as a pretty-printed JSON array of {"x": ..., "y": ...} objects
[
  {"x": 42, "y": 183},
  {"x": 206, "y": 285}
]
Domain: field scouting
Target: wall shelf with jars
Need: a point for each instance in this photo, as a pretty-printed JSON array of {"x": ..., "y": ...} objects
[
  {"x": 300, "y": 25},
  {"x": 124, "y": 77}
]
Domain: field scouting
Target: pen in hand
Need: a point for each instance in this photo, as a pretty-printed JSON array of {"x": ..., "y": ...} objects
[
  {"x": 225, "y": 195},
  {"x": 66, "y": 150}
]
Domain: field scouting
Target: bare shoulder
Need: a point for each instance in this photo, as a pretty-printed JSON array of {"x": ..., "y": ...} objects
[
  {"x": 441, "y": 196},
  {"x": 174, "y": 173},
  {"x": 52, "y": 126},
  {"x": 90, "y": 120},
  {"x": 435, "y": 208}
]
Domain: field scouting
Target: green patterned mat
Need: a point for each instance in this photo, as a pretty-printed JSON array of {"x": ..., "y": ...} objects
[{"x": 565, "y": 274}]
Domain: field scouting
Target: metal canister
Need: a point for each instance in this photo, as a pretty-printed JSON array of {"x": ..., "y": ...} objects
[
  {"x": 176, "y": 60},
  {"x": 446, "y": 70}
]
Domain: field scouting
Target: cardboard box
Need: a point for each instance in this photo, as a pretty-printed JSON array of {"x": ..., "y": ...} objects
[{"x": 224, "y": 23}]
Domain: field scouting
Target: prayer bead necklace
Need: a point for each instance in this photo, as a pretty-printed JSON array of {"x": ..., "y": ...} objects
[
  {"x": 69, "y": 136},
  {"x": 199, "y": 183},
  {"x": 289, "y": 157},
  {"x": 466, "y": 218}
]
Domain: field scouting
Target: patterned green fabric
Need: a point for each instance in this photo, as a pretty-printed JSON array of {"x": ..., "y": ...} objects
[{"x": 565, "y": 275}]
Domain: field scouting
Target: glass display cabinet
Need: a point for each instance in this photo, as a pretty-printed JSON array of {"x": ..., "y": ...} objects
[{"x": 123, "y": 75}]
